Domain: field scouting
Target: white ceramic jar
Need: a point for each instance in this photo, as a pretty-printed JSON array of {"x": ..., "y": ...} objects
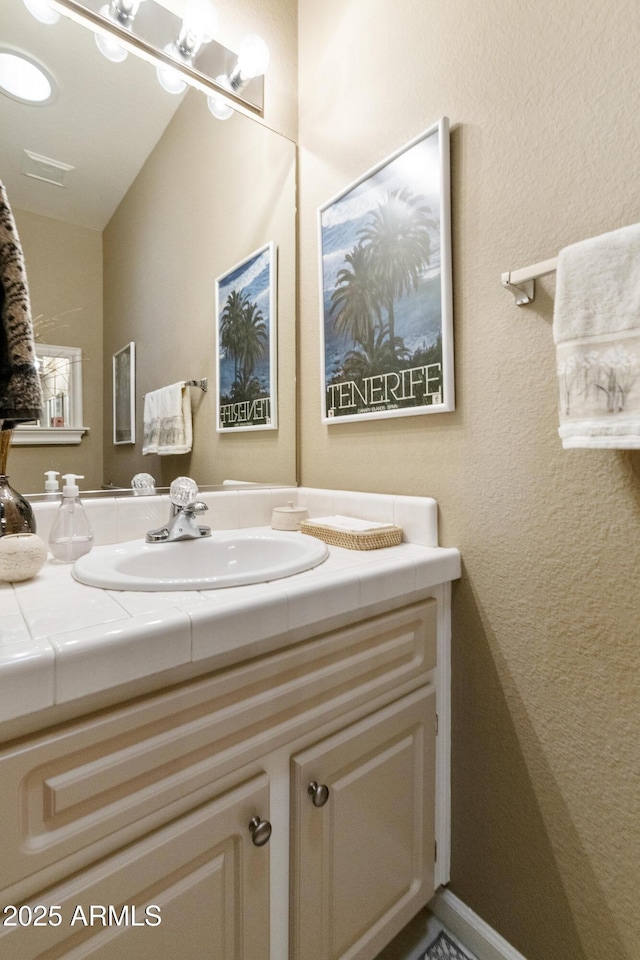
[
  {"x": 289, "y": 517},
  {"x": 22, "y": 556}
]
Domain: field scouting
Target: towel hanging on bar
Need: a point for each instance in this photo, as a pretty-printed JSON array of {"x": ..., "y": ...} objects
[
  {"x": 596, "y": 328},
  {"x": 167, "y": 426}
]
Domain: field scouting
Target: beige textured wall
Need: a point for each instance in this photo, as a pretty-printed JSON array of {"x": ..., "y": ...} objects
[
  {"x": 64, "y": 269},
  {"x": 209, "y": 195},
  {"x": 543, "y": 101}
]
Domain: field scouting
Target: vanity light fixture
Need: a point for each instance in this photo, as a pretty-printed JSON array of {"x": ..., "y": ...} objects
[
  {"x": 183, "y": 50},
  {"x": 123, "y": 13},
  {"x": 24, "y": 79},
  {"x": 253, "y": 60},
  {"x": 198, "y": 28}
]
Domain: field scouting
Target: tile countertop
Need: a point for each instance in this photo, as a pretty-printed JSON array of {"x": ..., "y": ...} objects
[{"x": 64, "y": 645}]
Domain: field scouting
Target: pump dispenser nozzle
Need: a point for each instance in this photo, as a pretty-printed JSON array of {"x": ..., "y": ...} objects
[
  {"x": 51, "y": 484},
  {"x": 71, "y": 488}
]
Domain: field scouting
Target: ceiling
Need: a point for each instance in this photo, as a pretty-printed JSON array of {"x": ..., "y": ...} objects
[{"x": 105, "y": 121}]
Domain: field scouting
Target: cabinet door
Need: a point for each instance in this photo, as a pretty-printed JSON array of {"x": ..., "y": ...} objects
[
  {"x": 198, "y": 889},
  {"x": 362, "y": 860}
]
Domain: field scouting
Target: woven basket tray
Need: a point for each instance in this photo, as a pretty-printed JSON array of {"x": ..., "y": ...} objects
[{"x": 354, "y": 540}]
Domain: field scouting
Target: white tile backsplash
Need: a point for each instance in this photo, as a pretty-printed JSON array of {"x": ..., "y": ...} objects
[
  {"x": 117, "y": 519},
  {"x": 45, "y": 514},
  {"x": 319, "y": 503},
  {"x": 418, "y": 517},
  {"x": 135, "y": 516},
  {"x": 375, "y": 507},
  {"x": 224, "y": 510}
]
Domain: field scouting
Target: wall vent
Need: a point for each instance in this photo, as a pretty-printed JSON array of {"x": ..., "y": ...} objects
[{"x": 44, "y": 168}]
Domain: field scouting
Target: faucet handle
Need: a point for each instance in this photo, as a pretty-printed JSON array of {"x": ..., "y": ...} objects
[{"x": 183, "y": 491}]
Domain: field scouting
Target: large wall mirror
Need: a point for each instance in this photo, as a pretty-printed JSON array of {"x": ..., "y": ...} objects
[{"x": 155, "y": 199}]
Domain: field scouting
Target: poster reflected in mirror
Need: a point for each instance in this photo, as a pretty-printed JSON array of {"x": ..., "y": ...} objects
[
  {"x": 385, "y": 282},
  {"x": 124, "y": 394},
  {"x": 246, "y": 344}
]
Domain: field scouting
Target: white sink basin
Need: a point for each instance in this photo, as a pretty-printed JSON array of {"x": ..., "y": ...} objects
[{"x": 226, "y": 559}]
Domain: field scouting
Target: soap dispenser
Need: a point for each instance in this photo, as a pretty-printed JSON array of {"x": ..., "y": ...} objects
[
  {"x": 51, "y": 484},
  {"x": 71, "y": 535}
]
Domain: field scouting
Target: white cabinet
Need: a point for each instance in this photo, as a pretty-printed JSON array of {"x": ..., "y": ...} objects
[
  {"x": 146, "y": 823},
  {"x": 197, "y": 889},
  {"x": 363, "y": 832}
]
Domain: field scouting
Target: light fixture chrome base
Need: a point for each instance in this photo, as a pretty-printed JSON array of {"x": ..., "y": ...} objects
[{"x": 154, "y": 26}]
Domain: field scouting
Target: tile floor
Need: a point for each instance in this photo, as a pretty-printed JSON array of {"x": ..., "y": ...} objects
[{"x": 411, "y": 943}]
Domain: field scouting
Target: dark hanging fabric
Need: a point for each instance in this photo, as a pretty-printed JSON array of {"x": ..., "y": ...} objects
[{"x": 20, "y": 389}]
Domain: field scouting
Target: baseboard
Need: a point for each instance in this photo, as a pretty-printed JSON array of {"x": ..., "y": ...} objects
[{"x": 471, "y": 929}]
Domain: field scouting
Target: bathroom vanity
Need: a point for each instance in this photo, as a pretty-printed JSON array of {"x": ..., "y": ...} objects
[{"x": 248, "y": 774}]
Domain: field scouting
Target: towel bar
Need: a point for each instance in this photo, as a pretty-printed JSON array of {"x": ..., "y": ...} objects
[
  {"x": 521, "y": 282},
  {"x": 203, "y": 384}
]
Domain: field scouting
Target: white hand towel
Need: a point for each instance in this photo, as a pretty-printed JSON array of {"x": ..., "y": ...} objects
[
  {"x": 596, "y": 328},
  {"x": 167, "y": 421}
]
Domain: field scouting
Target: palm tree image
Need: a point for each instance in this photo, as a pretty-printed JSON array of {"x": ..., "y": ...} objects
[
  {"x": 230, "y": 327},
  {"x": 377, "y": 355},
  {"x": 398, "y": 244},
  {"x": 244, "y": 338},
  {"x": 246, "y": 343},
  {"x": 254, "y": 339},
  {"x": 355, "y": 302}
]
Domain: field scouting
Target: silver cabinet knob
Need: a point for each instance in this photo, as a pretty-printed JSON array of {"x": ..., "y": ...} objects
[
  {"x": 319, "y": 793},
  {"x": 260, "y": 831}
]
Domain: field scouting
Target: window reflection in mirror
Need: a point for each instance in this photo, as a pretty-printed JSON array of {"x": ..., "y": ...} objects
[{"x": 60, "y": 370}]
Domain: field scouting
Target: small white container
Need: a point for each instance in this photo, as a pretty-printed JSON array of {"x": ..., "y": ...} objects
[
  {"x": 289, "y": 517},
  {"x": 22, "y": 556}
]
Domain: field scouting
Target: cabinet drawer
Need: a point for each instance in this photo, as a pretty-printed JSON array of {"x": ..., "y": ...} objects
[{"x": 111, "y": 778}]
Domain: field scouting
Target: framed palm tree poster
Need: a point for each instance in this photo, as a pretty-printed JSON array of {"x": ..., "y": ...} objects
[
  {"x": 385, "y": 282},
  {"x": 246, "y": 344}
]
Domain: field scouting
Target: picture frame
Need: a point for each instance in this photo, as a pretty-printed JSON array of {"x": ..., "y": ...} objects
[
  {"x": 124, "y": 394},
  {"x": 385, "y": 288},
  {"x": 246, "y": 344}
]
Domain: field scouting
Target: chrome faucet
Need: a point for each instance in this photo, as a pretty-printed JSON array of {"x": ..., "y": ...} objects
[{"x": 185, "y": 509}]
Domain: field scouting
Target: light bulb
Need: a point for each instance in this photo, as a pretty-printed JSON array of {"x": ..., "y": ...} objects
[
  {"x": 201, "y": 20},
  {"x": 169, "y": 78},
  {"x": 108, "y": 45},
  {"x": 219, "y": 108},
  {"x": 125, "y": 9},
  {"x": 110, "y": 48},
  {"x": 42, "y": 11},
  {"x": 253, "y": 57},
  {"x": 217, "y": 105}
]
